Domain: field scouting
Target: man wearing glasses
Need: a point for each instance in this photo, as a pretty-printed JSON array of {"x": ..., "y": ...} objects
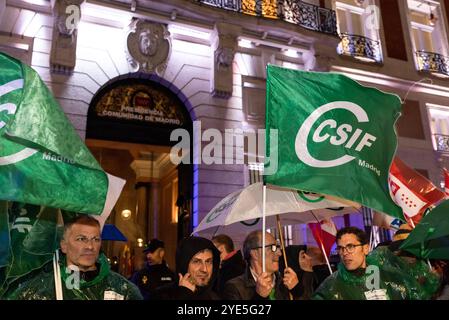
[
  {"x": 85, "y": 272},
  {"x": 255, "y": 284},
  {"x": 364, "y": 277}
]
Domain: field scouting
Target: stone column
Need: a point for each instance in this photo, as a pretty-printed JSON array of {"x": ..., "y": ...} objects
[
  {"x": 153, "y": 231},
  {"x": 66, "y": 15},
  {"x": 144, "y": 216},
  {"x": 224, "y": 44}
]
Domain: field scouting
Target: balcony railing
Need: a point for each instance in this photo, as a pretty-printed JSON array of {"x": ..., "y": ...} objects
[
  {"x": 360, "y": 47},
  {"x": 433, "y": 62},
  {"x": 297, "y": 12},
  {"x": 442, "y": 143}
]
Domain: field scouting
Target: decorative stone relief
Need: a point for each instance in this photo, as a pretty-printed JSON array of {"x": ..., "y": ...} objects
[
  {"x": 224, "y": 43},
  {"x": 322, "y": 56},
  {"x": 66, "y": 16},
  {"x": 322, "y": 63},
  {"x": 148, "y": 46}
]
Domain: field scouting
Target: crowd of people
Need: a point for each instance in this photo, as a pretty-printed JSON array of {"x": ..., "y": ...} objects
[{"x": 214, "y": 269}]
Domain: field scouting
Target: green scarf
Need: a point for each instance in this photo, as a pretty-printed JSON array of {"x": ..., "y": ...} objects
[{"x": 104, "y": 271}]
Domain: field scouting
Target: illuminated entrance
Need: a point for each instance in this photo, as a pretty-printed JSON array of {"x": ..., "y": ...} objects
[{"x": 128, "y": 131}]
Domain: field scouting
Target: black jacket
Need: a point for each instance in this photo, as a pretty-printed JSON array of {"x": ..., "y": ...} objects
[
  {"x": 188, "y": 248},
  {"x": 243, "y": 287},
  {"x": 152, "y": 277},
  {"x": 230, "y": 268}
]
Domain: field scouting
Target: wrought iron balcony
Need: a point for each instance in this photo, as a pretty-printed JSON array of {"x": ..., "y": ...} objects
[
  {"x": 442, "y": 143},
  {"x": 434, "y": 63},
  {"x": 360, "y": 47},
  {"x": 297, "y": 12}
]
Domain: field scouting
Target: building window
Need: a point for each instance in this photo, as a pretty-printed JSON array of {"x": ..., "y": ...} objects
[
  {"x": 428, "y": 37},
  {"x": 359, "y": 40},
  {"x": 255, "y": 172},
  {"x": 439, "y": 126}
]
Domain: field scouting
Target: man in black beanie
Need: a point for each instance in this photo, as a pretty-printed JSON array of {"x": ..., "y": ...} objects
[{"x": 197, "y": 263}]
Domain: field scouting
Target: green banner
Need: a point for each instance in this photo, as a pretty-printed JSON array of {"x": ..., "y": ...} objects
[
  {"x": 336, "y": 136},
  {"x": 43, "y": 161}
]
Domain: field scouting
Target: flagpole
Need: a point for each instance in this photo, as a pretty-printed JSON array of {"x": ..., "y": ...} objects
[
  {"x": 264, "y": 200},
  {"x": 325, "y": 257},
  {"x": 321, "y": 244},
  {"x": 57, "y": 276},
  {"x": 281, "y": 237}
]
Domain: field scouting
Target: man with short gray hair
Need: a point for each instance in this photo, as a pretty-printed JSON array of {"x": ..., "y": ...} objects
[{"x": 85, "y": 273}]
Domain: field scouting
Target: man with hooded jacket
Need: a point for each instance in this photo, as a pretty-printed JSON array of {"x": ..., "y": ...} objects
[
  {"x": 197, "y": 263},
  {"x": 85, "y": 273}
]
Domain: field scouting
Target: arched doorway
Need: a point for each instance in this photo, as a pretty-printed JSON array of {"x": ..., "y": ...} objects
[{"x": 129, "y": 123}]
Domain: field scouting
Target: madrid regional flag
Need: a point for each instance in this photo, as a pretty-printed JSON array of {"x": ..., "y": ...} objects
[
  {"x": 42, "y": 159},
  {"x": 414, "y": 193},
  {"x": 446, "y": 182},
  {"x": 335, "y": 136}
]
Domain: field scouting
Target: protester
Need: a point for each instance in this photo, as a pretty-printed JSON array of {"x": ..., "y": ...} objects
[
  {"x": 85, "y": 273},
  {"x": 375, "y": 277},
  {"x": 255, "y": 284},
  {"x": 419, "y": 269},
  {"x": 301, "y": 263},
  {"x": 441, "y": 267},
  {"x": 197, "y": 264},
  {"x": 231, "y": 261},
  {"x": 398, "y": 239},
  {"x": 156, "y": 273},
  {"x": 320, "y": 268}
]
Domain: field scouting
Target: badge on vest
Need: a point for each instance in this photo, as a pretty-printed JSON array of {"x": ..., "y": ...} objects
[
  {"x": 112, "y": 295},
  {"x": 379, "y": 294}
]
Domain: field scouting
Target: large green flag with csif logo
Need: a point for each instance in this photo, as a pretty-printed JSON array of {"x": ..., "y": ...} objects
[
  {"x": 335, "y": 136},
  {"x": 43, "y": 161}
]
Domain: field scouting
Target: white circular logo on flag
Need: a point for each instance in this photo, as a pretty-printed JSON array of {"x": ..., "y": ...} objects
[
  {"x": 345, "y": 135},
  {"x": 8, "y": 156}
]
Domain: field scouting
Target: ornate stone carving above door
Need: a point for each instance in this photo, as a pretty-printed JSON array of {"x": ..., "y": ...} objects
[{"x": 148, "y": 46}]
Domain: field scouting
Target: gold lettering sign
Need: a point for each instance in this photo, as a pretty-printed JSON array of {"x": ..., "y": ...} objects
[{"x": 140, "y": 103}]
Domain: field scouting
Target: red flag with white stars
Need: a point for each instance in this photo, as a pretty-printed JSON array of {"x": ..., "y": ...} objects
[
  {"x": 411, "y": 191},
  {"x": 446, "y": 182}
]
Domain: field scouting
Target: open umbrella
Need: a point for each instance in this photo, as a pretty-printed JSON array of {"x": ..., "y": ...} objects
[
  {"x": 111, "y": 232},
  {"x": 241, "y": 211},
  {"x": 430, "y": 238}
]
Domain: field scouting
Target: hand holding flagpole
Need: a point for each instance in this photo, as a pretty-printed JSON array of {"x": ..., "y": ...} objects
[{"x": 281, "y": 237}]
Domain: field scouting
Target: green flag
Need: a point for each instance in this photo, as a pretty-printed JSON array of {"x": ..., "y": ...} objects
[
  {"x": 42, "y": 159},
  {"x": 335, "y": 136},
  {"x": 31, "y": 235},
  {"x": 4, "y": 234},
  {"x": 430, "y": 238}
]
